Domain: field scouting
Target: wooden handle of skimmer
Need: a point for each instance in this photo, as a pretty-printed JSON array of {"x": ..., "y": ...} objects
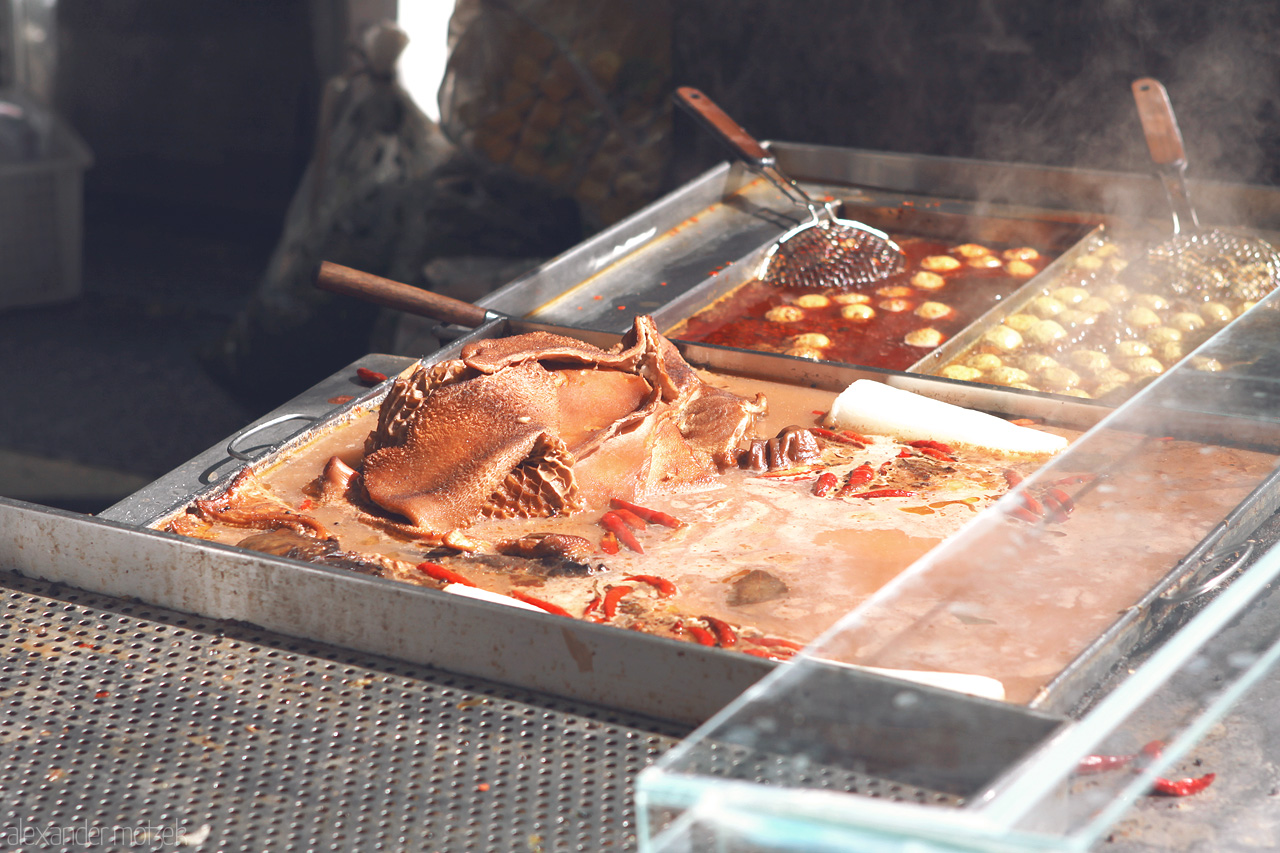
[
  {"x": 1158, "y": 122},
  {"x": 336, "y": 278},
  {"x": 719, "y": 122}
]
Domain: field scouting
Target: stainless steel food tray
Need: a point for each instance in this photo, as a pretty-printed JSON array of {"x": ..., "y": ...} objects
[{"x": 636, "y": 672}]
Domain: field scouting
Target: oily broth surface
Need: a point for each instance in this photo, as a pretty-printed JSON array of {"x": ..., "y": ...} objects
[{"x": 832, "y": 554}]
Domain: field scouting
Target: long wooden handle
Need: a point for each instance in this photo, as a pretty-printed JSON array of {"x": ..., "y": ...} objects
[
  {"x": 719, "y": 122},
  {"x": 336, "y": 278},
  {"x": 1164, "y": 139}
]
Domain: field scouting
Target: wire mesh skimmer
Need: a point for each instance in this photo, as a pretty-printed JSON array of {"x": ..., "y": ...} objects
[
  {"x": 822, "y": 251},
  {"x": 1197, "y": 262}
]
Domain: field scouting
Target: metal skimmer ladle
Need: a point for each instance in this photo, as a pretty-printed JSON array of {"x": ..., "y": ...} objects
[
  {"x": 1208, "y": 263},
  {"x": 823, "y": 251}
]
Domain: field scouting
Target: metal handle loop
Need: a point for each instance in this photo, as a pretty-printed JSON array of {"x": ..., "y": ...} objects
[
  {"x": 1217, "y": 580},
  {"x": 236, "y": 453}
]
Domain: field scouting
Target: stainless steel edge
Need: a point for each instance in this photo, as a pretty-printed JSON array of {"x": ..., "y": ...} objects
[{"x": 662, "y": 678}]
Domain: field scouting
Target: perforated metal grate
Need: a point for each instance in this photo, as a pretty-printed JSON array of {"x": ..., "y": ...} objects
[{"x": 127, "y": 727}]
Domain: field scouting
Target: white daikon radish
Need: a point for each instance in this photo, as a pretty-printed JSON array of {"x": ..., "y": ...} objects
[
  {"x": 872, "y": 407},
  {"x": 484, "y": 595}
]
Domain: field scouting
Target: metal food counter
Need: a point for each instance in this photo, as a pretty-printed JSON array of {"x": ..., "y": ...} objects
[{"x": 188, "y": 693}]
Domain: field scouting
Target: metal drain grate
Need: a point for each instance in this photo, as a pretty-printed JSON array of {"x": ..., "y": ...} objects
[{"x": 129, "y": 727}]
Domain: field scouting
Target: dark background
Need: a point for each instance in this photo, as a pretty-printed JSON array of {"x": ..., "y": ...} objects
[{"x": 201, "y": 117}]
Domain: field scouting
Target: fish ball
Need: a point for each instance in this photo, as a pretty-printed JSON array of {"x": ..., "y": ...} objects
[
  {"x": 1021, "y": 322},
  {"x": 1141, "y": 317},
  {"x": 1070, "y": 295},
  {"x": 1003, "y": 338},
  {"x": 896, "y": 291},
  {"x": 1154, "y": 301},
  {"x": 784, "y": 314},
  {"x": 1059, "y": 379},
  {"x": 1115, "y": 293},
  {"x": 1019, "y": 269},
  {"x": 1144, "y": 366},
  {"x": 1207, "y": 364},
  {"x": 896, "y": 306},
  {"x": 933, "y": 310},
  {"x": 972, "y": 250},
  {"x": 1007, "y": 376},
  {"x": 1046, "y": 332},
  {"x": 1022, "y": 253},
  {"x": 959, "y": 371},
  {"x": 851, "y": 299},
  {"x": 925, "y": 337},
  {"x": 806, "y": 352},
  {"x": 1216, "y": 312},
  {"x": 985, "y": 361},
  {"x": 928, "y": 280},
  {"x": 1095, "y": 305},
  {"x": 811, "y": 339},
  {"x": 813, "y": 300},
  {"x": 1045, "y": 307},
  {"x": 1185, "y": 321},
  {"x": 857, "y": 312},
  {"x": 985, "y": 262},
  {"x": 1132, "y": 349},
  {"x": 940, "y": 263},
  {"x": 1163, "y": 335},
  {"x": 1037, "y": 362}
]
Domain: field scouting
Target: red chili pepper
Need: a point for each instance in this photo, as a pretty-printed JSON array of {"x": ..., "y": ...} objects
[
  {"x": 1033, "y": 506},
  {"x": 613, "y": 522},
  {"x": 1183, "y": 787},
  {"x": 764, "y": 653},
  {"x": 633, "y": 521},
  {"x": 1063, "y": 498},
  {"x": 725, "y": 635},
  {"x": 340, "y": 399},
  {"x": 702, "y": 636},
  {"x": 1024, "y": 422},
  {"x": 1153, "y": 748},
  {"x": 370, "y": 377},
  {"x": 856, "y": 436},
  {"x": 609, "y": 543},
  {"x": 306, "y": 505},
  {"x": 905, "y": 454},
  {"x": 592, "y": 607},
  {"x": 777, "y": 642},
  {"x": 884, "y": 469},
  {"x": 1023, "y": 514},
  {"x": 885, "y": 493},
  {"x": 1011, "y": 477},
  {"x": 1099, "y": 763},
  {"x": 665, "y": 588},
  {"x": 832, "y": 435},
  {"x": 440, "y": 573},
  {"x": 652, "y": 516},
  {"x": 611, "y": 598},
  {"x": 857, "y": 478},
  {"x": 935, "y": 453},
  {"x": 538, "y": 602},
  {"x": 936, "y": 445},
  {"x": 824, "y": 484},
  {"x": 1055, "y": 512}
]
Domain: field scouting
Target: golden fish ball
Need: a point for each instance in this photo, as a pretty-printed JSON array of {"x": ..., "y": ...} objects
[
  {"x": 1045, "y": 307},
  {"x": 926, "y": 337},
  {"x": 1090, "y": 361},
  {"x": 1007, "y": 376},
  {"x": 1185, "y": 322},
  {"x": 1073, "y": 318},
  {"x": 985, "y": 361},
  {"x": 1170, "y": 352},
  {"x": 851, "y": 299},
  {"x": 815, "y": 340},
  {"x": 1019, "y": 269},
  {"x": 940, "y": 263},
  {"x": 896, "y": 306},
  {"x": 1132, "y": 349},
  {"x": 1095, "y": 305},
  {"x": 784, "y": 314},
  {"x": 961, "y": 372},
  {"x": 1216, "y": 312},
  {"x": 895, "y": 291},
  {"x": 985, "y": 262},
  {"x": 1059, "y": 379},
  {"x": 1144, "y": 366},
  {"x": 1003, "y": 338},
  {"x": 1154, "y": 301},
  {"x": 1036, "y": 362},
  {"x": 1163, "y": 335},
  {"x": 813, "y": 300},
  {"x": 1206, "y": 363},
  {"x": 1116, "y": 294},
  {"x": 1046, "y": 332},
  {"x": 926, "y": 280},
  {"x": 1115, "y": 376},
  {"x": 806, "y": 352},
  {"x": 1089, "y": 263},
  {"x": 933, "y": 310},
  {"x": 1022, "y": 253},
  {"x": 1021, "y": 322},
  {"x": 1141, "y": 317},
  {"x": 972, "y": 250},
  {"x": 859, "y": 311},
  {"x": 1070, "y": 295}
]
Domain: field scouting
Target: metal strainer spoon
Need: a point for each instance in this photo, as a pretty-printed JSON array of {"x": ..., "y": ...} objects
[
  {"x": 822, "y": 251},
  {"x": 1206, "y": 263}
]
